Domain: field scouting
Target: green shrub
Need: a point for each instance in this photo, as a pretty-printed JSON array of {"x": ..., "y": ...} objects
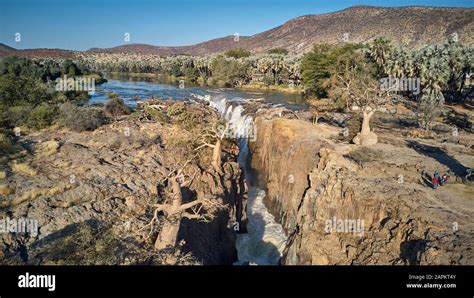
[
  {"x": 4, "y": 116},
  {"x": 238, "y": 53},
  {"x": 6, "y": 143},
  {"x": 115, "y": 107},
  {"x": 317, "y": 66},
  {"x": 156, "y": 115},
  {"x": 228, "y": 72},
  {"x": 184, "y": 116},
  {"x": 42, "y": 116},
  {"x": 278, "y": 51},
  {"x": 81, "y": 118},
  {"x": 38, "y": 117},
  {"x": 176, "y": 109},
  {"x": 190, "y": 74},
  {"x": 354, "y": 126}
]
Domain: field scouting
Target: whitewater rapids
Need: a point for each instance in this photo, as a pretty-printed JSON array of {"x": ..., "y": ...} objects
[{"x": 265, "y": 240}]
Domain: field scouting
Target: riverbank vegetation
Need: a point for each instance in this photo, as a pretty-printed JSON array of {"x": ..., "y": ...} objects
[
  {"x": 27, "y": 91},
  {"x": 234, "y": 68},
  {"x": 29, "y": 99}
]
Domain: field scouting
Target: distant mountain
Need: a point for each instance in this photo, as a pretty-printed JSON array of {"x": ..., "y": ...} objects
[
  {"x": 53, "y": 53},
  {"x": 6, "y": 49},
  {"x": 211, "y": 46},
  {"x": 411, "y": 26}
]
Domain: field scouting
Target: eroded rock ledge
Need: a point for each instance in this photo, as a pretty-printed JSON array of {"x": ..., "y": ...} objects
[
  {"x": 309, "y": 180},
  {"x": 91, "y": 193}
]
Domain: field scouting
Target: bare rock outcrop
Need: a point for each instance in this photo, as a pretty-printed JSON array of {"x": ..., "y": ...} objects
[{"x": 76, "y": 183}]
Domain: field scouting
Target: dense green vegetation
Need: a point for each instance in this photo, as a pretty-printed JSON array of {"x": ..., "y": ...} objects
[
  {"x": 317, "y": 66},
  {"x": 28, "y": 96},
  {"x": 346, "y": 74},
  {"x": 278, "y": 51},
  {"x": 441, "y": 69}
]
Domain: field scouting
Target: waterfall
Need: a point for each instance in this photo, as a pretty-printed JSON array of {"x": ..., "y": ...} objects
[{"x": 265, "y": 240}]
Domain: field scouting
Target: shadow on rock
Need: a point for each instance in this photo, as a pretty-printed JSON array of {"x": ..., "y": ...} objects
[
  {"x": 410, "y": 251},
  {"x": 439, "y": 155}
]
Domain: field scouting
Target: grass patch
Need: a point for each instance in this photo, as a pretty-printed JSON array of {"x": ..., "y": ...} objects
[
  {"x": 87, "y": 244},
  {"x": 365, "y": 154},
  {"x": 35, "y": 193},
  {"x": 5, "y": 190},
  {"x": 23, "y": 168}
]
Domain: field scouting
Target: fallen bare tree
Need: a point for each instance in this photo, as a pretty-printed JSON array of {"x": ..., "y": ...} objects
[{"x": 174, "y": 209}]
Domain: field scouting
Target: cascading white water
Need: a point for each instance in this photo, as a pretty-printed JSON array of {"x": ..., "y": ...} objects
[{"x": 265, "y": 240}]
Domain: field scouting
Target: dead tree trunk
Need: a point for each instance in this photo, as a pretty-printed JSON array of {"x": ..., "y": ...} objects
[
  {"x": 169, "y": 232},
  {"x": 174, "y": 211},
  {"x": 216, "y": 156}
]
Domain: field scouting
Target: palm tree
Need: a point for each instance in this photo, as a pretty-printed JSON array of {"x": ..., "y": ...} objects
[{"x": 379, "y": 50}]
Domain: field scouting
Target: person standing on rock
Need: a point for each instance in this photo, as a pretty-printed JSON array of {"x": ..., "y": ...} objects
[
  {"x": 444, "y": 179},
  {"x": 436, "y": 180}
]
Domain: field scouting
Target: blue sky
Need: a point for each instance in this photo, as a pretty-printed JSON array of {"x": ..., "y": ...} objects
[{"x": 82, "y": 24}]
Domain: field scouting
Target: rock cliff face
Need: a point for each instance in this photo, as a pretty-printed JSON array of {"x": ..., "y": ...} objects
[{"x": 336, "y": 211}]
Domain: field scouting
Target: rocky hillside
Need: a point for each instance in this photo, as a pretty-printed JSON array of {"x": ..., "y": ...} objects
[
  {"x": 409, "y": 26},
  {"x": 52, "y": 53}
]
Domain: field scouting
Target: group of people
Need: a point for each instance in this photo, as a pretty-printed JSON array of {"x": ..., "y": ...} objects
[{"x": 439, "y": 180}]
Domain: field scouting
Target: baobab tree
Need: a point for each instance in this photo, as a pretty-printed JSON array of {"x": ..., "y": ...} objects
[{"x": 354, "y": 82}]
